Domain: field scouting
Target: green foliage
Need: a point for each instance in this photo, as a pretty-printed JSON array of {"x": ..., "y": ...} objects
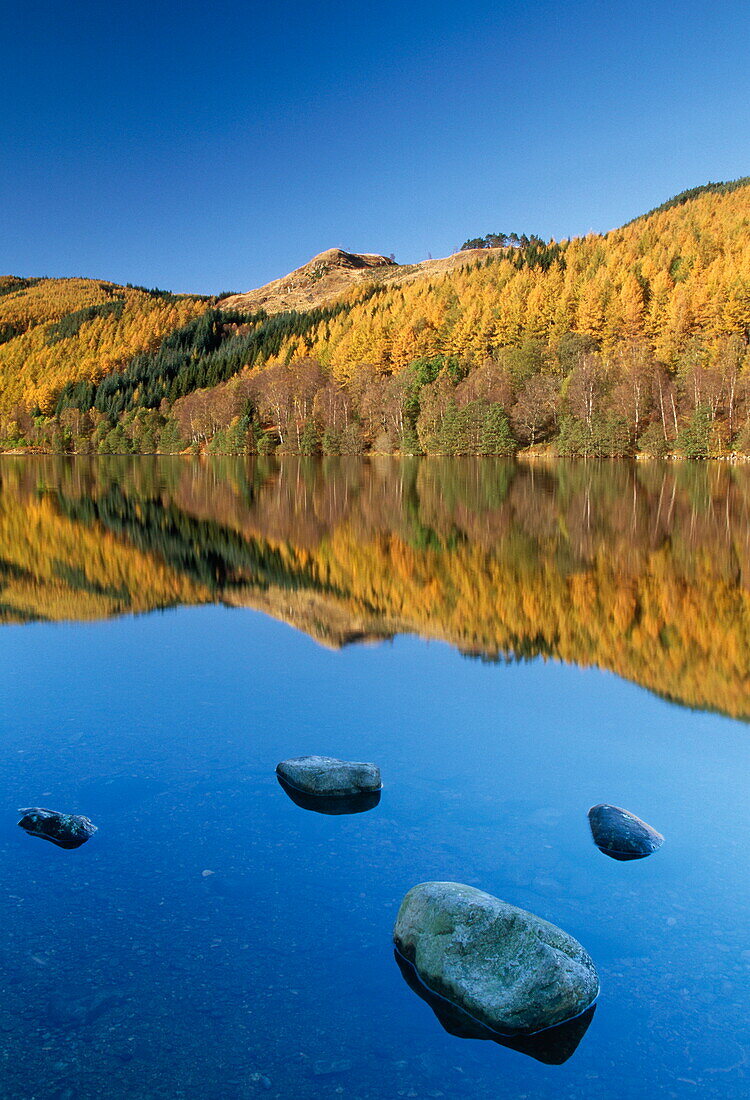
[
  {"x": 409, "y": 443},
  {"x": 265, "y": 443},
  {"x": 741, "y": 442},
  {"x": 477, "y": 428},
  {"x": 11, "y": 284},
  {"x": 571, "y": 347},
  {"x": 496, "y": 437},
  {"x": 9, "y": 331},
  {"x": 606, "y": 437},
  {"x": 309, "y": 443},
  {"x": 71, "y": 323},
  {"x": 652, "y": 442},
  {"x": 170, "y": 440},
  {"x": 115, "y": 442},
  {"x": 695, "y": 438},
  {"x": 527, "y": 251},
  {"x": 524, "y": 361},
  {"x": 76, "y": 395},
  {"x": 421, "y": 373},
  {"x": 235, "y": 439}
]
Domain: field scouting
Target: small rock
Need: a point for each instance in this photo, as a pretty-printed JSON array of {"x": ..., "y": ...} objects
[
  {"x": 325, "y": 775},
  {"x": 65, "y": 830},
  {"x": 71, "y": 1011},
  {"x": 508, "y": 969},
  {"x": 327, "y": 1069},
  {"x": 622, "y": 835},
  {"x": 335, "y": 805}
]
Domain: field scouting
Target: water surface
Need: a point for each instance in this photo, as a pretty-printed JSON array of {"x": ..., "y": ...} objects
[{"x": 540, "y": 640}]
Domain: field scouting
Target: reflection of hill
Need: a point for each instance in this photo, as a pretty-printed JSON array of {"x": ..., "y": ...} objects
[{"x": 641, "y": 570}]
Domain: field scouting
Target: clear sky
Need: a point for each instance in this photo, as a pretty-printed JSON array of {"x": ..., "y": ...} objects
[{"x": 215, "y": 146}]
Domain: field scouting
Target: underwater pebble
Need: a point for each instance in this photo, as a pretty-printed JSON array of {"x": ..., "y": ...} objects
[
  {"x": 260, "y": 1079},
  {"x": 325, "y": 1069}
]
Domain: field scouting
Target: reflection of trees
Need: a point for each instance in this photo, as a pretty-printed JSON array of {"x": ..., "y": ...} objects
[{"x": 642, "y": 569}]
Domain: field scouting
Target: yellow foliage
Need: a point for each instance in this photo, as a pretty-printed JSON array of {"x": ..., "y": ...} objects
[{"x": 34, "y": 370}]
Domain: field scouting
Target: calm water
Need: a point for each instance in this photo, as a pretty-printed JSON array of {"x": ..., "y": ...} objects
[{"x": 511, "y": 645}]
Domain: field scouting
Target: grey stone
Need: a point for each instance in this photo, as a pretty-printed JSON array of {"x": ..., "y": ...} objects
[
  {"x": 65, "y": 830},
  {"x": 332, "y": 804},
  {"x": 508, "y": 969},
  {"x": 622, "y": 835},
  {"x": 553, "y": 1045},
  {"x": 325, "y": 775}
]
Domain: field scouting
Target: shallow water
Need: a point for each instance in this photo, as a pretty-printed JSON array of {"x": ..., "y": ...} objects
[{"x": 130, "y": 970}]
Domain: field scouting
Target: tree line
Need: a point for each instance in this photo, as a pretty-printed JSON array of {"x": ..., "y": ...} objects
[{"x": 568, "y": 397}]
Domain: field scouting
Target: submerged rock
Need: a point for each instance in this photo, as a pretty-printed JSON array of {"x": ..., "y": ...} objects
[
  {"x": 331, "y": 804},
  {"x": 73, "y": 1011},
  {"x": 329, "y": 1069},
  {"x": 553, "y": 1046},
  {"x": 622, "y": 835},
  {"x": 65, "y": 830},
  {"x": 508, "y": 969},
  {"x": 325, "y": 775}
]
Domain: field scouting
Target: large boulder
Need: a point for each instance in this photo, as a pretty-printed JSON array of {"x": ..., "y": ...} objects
[
  {"x": 508, "y": 969},
  {"x": 553, "y": 1045},
  {"x": 327, "y": 776},
  {"x": 64, "y": 830},
  {"x": 622, "y": 835}
]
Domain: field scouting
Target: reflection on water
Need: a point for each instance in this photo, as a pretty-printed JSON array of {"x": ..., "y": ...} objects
[
  {"x": 553, "y": 1046},
  {"x": 642, "y": 569},
  {"x": 331, "y": 804},
  {"x": 215, "y": 940}
]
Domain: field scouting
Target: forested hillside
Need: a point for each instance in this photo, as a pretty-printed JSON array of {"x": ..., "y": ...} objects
[
  {"x": 605, "y": 345},
  {"x": 55, "y": 332}
]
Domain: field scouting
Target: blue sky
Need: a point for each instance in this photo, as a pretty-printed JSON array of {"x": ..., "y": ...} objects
[{"x": 216, "y": 146}]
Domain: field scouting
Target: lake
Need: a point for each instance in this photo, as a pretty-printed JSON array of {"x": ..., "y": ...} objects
[{"x": 510, "y": 642}]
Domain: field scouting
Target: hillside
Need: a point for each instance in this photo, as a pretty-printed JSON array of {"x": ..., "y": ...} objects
[
  {"x": 58, "y": 331},
  {"x": 636, "y": 340}
]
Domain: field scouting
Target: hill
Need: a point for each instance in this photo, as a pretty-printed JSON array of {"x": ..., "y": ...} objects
[
  {"x": 58, "y": 331},
  {"x": 328, "y": 276},
  {"x": 321, "y": 280},
  {"x": 636, "y": 340}
]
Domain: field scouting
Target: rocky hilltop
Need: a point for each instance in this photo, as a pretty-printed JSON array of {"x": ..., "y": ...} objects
[
  {"x": 330, "y": 274},
  {"x": 321, "y": 279}
]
